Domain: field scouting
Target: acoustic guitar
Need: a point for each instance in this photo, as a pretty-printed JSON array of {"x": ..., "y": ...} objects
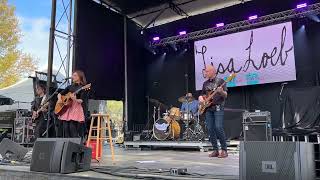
[
  {"x": 66, "y": 100},
  {"x": 208, "y": 99}
]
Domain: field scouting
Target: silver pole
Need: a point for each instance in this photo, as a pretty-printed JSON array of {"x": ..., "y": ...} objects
[
  {"x": 69, "y": 40},
  {"x": 125, "y": 73}
]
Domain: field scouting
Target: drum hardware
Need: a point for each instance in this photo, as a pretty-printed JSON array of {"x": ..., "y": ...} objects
[
  {"x": 156, "y": 114},
  {"x": 188, "y": 132},
  {"x": 166, "y": 127}
]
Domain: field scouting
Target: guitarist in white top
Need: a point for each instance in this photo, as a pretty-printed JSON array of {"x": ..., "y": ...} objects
[
  {"x": 39, "y": 109},
  {"x": 214, "y": 114}
]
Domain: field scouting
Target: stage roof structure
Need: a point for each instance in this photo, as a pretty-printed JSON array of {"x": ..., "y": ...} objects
[{"x": 153, "y": 13}]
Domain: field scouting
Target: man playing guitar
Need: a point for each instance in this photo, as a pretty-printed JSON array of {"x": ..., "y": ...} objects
[
  {"x": 215, "y": 113},
  {"x": 38, "y": 110}
]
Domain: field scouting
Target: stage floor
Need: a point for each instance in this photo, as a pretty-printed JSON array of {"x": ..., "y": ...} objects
[{"x": 194, "y": 161}]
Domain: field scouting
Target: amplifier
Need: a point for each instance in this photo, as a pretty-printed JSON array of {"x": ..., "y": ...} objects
[
  {"x": 277, "y": 160},
  {"x": 257, "y": 126}
]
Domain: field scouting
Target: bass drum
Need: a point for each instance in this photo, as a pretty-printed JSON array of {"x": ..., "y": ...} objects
[{"x": 166, "y": 128}]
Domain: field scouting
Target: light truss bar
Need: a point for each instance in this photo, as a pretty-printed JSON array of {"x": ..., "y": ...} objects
[{"x": 313, "y": 9}]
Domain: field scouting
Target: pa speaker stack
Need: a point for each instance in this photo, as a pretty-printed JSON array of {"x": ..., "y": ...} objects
[
  {"x": 60, "y": 155},
  {"x": 277, "y": 160}
]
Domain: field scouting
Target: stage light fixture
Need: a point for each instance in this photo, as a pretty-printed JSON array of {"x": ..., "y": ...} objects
[
  {"x": 313, "y": 17},
  {"x": 174, "y": 46},
  {"x": 303, "y": 5},
  {"x": 220, "y": 25},
  {"x": 182, "y": 32},
  {"x": 157, "y": 38},
  {"x": 253, "y": 17}
]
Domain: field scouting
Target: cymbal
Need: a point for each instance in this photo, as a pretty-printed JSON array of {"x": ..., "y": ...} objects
[
  {"x": 185, "y": 99},
  {"x": 154, "y": 101},
  {"x": 158, "y": 103}
]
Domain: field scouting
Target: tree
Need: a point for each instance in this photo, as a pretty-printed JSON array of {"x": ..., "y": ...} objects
[{"x": 14, "y": 64}]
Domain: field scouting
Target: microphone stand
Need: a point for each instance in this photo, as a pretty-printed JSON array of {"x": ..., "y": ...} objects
[
  {"x": 282, "y": 105},
  {"x": 49, "y": 106},
  {"x": 188, "y": 104}
]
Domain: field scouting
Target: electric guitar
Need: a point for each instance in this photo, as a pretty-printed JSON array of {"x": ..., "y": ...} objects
[
  {"x": 66, "y": 100},
  {"x": 208, "y": 99},
  {"x": 42, "y": 108}
]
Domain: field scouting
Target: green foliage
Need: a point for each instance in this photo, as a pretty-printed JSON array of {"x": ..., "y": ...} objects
[
  {"x": 14, "y": 64},
  {"x": 115, "y": 109}
]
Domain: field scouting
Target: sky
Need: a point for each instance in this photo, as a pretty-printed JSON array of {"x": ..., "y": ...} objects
[{"x": 34, "y": 21}]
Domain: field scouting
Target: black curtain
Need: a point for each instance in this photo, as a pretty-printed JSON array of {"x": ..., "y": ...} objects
[
  {"x": 100, "y": 49},
  {"x": 302, "y": 107}
]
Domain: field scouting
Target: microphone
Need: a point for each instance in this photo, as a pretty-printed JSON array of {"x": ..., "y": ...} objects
[
  {"x": 281, "y": 90},
  {"x": 67, "y": 78}
]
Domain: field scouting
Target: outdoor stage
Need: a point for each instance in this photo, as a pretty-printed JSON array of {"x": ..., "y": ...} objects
[{"x": 198, "y": 165}]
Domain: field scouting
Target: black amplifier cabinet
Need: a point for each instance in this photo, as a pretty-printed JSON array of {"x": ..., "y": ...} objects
[{"x": 257, "y": 126}]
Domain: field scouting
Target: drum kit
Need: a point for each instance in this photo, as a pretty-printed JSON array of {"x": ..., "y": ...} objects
[{"x": 175, "y": 124}]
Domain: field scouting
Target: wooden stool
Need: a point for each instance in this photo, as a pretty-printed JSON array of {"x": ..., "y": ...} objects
[{"x": 99, "y": 136}]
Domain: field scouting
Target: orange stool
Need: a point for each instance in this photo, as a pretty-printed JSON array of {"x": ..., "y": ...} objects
[{"x": 99, "y": 138}]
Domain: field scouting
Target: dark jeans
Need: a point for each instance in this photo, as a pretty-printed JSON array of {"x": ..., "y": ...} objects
[
  {"x": 41, "y": 127},
  {"x": 214, "y": 123}
]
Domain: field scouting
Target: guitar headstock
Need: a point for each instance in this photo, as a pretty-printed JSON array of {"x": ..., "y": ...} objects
[
  {"x": 231, "y": 77},
  {"x": 86, "y": 87}
]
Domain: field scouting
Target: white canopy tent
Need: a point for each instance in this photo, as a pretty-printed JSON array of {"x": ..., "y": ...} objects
[{"x": 22, "y": 93}]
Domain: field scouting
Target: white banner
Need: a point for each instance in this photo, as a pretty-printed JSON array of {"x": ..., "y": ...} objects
[{"x": 257, "y": 56}]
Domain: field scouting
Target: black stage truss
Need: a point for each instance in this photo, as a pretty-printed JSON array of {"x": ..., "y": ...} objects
[{"x": 313, "y": 9}]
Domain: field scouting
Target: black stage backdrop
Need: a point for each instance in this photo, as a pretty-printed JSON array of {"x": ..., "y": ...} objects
[
  {"x": 99, "y": 49},
  {"x": 100, "y": 53}
]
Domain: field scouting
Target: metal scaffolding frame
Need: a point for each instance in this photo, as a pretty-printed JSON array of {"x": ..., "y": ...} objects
[
  {"x": 66, "y": 36},
  {"x": 313, "y": 9}
]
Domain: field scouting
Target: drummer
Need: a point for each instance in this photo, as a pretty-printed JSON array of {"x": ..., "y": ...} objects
[{"x": 190, "y": 103}]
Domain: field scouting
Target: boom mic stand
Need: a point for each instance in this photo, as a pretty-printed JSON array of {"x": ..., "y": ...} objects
[
  {"x": 188, "y": 131},
  {"x": 49, "y": 106}
]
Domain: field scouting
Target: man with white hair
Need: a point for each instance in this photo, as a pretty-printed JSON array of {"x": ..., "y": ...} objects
[{"x": 215, "y": 113}]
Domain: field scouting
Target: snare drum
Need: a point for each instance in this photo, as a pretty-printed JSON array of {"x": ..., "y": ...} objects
[{"x": 184, "y": 116}]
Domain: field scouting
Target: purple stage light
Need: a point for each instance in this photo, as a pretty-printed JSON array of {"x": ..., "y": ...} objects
[
  {"x": 156, "y": 38},
  {"x": 182, "y": 32},
  {"x": 303, "y": 5},
  {"x": 253, "y": 17},
  {"x": 219, "y": 24}
]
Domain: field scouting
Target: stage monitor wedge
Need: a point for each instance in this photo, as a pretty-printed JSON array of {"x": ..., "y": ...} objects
[
  {"x": 11, "y": 150},
  {"x": 75, "y": 158},
  {"x": 60, "y": 155}
]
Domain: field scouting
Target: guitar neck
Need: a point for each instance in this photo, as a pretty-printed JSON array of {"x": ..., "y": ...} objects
[
  {"x": 78, "y": 90},
  {"x": 215, "y": 92}
]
